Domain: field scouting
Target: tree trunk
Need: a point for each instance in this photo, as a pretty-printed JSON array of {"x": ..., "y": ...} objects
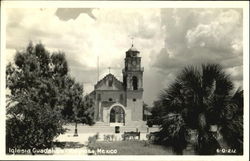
[{"x": 202, "y": 134}]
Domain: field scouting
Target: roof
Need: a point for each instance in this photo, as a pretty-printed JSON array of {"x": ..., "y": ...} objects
[
  {"x": 133, "y": 48},
  {"x": 102, "y": 84},
  {"x": 132, "y": 52}
]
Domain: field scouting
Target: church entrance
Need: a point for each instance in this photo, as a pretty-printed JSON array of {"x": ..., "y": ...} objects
[{"x": 117, "y": 116}]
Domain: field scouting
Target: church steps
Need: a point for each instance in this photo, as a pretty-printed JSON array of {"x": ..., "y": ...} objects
[{"x": 108, "y": 129}]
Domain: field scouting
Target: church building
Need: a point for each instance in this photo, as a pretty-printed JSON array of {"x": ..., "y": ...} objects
[{"x": 121, "y": 103}]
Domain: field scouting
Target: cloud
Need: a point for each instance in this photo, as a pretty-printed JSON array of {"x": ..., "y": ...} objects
[
  {"x": 168, "y": 39},
  {"x": 83, "y": 39},
  {"x": 195, "y": 36}
]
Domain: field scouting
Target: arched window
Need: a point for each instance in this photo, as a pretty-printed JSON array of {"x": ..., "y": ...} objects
[{"x": 135, "y": 83}]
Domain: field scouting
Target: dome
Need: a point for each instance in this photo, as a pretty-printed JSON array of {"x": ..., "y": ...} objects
[
  {"x": 132, "y": 52},
  {"x": 133, "y": 49}
]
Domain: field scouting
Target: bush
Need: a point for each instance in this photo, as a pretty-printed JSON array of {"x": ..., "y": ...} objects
[{"x": 92, "y": 143}]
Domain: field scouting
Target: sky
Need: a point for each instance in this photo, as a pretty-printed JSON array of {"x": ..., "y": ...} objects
[{"x": 168, "y": 40}]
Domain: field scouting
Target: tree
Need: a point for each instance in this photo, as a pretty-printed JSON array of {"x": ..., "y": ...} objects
[
  {"x": 78, "y": 108},
  {"x": 157, "y": 114},
  {"x": 203, "y": 96},
  {"x": 86, "y": 111},
  {"x": 232, "y": 128},
  {"x": 146, "y": 112},
  {"x": 74, "y": 97},
  {"x": 38, "y": 83}
]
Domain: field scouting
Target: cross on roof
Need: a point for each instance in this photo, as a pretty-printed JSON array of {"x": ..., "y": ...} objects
[
  {"x": 109, "y": 69},
  {"x": 132, "y": 40}
]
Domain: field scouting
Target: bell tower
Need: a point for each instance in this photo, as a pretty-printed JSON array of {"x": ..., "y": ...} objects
[
  {"x": 133, "y": 83},
  {"x": 133, "y": 72}
]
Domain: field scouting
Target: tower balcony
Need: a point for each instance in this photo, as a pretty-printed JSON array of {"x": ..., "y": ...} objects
[{"x": 133, "y": 69}]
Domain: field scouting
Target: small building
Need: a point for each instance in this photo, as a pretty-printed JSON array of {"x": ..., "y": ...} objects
[{"x": 120, "y": 103}]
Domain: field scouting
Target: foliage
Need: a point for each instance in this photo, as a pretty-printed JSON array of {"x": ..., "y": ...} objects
[
  {"x": 157, "y": 113},
  {"x": 39, "y": 91},
  {"x": 203, "y": 97},
  {"x": 174, "y": 128},
  {"x": 146, "y": 110},
  {"x": 233, "y": 123},
  {"x": 85, "y": 113},
  {"x": 77, "y": 108},
  {"x": 92, "y": 142}
]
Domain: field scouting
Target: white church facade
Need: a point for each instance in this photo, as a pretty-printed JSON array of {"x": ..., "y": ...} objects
[{"x": 120, "y": 103}]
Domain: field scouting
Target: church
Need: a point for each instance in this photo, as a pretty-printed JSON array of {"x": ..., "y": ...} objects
[{"x": 121, "y": 103}]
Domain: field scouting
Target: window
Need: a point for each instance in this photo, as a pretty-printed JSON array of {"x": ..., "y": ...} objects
[
  {"x": 121, "y": 98},
  {"x": 135, "y": 83},
  {"x": 110, "y": 83},
  {"x": 134, "y": 100},
  {"x": 99, "y": 97}
]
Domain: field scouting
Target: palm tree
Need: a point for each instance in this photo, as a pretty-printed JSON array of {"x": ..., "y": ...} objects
[{"x": 203, "y": 96}]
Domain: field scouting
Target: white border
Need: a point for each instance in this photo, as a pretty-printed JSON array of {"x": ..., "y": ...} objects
[{"x": 129, "y": 4}]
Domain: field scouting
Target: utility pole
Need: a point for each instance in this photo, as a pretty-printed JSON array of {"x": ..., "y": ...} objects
[{"x": 98, "y": 68}]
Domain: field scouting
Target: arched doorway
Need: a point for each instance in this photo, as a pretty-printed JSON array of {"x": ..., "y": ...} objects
[{"x": 117, "y": 115}]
